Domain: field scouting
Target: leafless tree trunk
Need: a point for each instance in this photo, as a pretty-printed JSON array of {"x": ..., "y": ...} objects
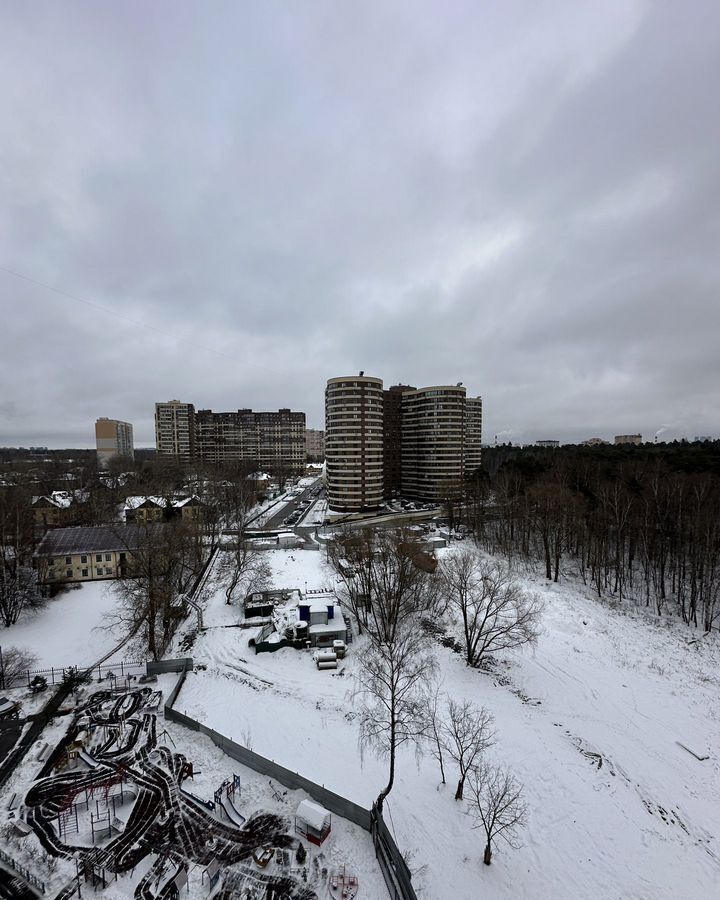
[
  {"x": 467, "y": 733},
  {"x": 383, "y": 579},
  {"x": 390, "y": 686},
  {"x": 496, "y": 613},
  {"x": 497, "y": 806}
]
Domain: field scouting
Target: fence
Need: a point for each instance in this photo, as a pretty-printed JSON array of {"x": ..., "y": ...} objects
[
  {"x": 55, "y": 675},
  {"x": 393, "y": 866},
  {"x": 22, "y": 871}
]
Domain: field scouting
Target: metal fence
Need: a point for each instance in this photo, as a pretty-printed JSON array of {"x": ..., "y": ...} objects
[
  {"x": 393, "y": 866},
  {"x": 22, "y": 871},
  {"x": 55, "y": 675}
]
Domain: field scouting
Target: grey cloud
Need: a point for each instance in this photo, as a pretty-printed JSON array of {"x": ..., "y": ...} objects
[{"x": 525, "y": 200}]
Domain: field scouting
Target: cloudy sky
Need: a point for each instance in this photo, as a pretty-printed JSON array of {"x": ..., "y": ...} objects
[{"x": 229, "y": 203}]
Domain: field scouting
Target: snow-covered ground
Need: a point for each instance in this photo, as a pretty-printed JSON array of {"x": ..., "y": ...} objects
[
  {"x": 642, "y": 825},
  {"x": 67, "y": 632}
]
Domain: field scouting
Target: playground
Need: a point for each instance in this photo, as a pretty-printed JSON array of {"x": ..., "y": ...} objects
[{"x": 114, "y": 800}]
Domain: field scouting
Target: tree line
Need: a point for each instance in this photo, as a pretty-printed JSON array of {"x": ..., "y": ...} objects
[{"x": 640, "y": 525}]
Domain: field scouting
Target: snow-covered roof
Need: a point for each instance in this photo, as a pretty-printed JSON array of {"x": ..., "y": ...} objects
[
  {"x": 161, "y": 502},
  {"x": 61, "y": 499},
  {"x": 313, "y": 814}
]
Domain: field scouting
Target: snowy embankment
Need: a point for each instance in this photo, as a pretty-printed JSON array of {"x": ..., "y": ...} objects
[
  {"x": 591, "y": 721},
  {"x": 67, "y": 631}
]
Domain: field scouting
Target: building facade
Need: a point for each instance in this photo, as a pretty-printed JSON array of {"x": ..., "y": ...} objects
[
  {"x": 628, "y": 439},
  {"x": 392, "y": 437},
  {"x": 272, "y": 440},
  {"x": 314, "y": 443},
  {"x": 435, "y": 442},
  {"x": 354, "y": 442},
  {"x": 175, "y": 430},
  {"x": 88, "y": 554},
  {"x": 419, "y": 442},
  {"x": 113, "y": 440}
]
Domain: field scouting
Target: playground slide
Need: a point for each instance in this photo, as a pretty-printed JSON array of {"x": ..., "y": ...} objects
[
  {"x": 231, "y": 812},
  {"x": 87, "y": 759}
]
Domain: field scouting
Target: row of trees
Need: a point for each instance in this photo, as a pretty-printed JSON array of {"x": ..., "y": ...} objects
[
  {"x": 632, "y": 527},
  {"x": 385, "y": 582}
]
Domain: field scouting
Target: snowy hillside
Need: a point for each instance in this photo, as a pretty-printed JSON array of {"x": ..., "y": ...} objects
[{"x": 590, "y": 721}]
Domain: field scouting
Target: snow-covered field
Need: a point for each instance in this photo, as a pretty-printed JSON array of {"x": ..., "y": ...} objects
[
  {"x": 642, "y": 825},
  {"x": 66, "y": 631}
]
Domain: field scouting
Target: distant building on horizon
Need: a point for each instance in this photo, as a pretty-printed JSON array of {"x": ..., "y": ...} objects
[
  {"x": 594, "y": 442},
  {"x": 271, "y": 440},
  {"x": 628, "y": 439},
  {"x": 113, "y": 440},
  {"x": 552, "y": 443}
]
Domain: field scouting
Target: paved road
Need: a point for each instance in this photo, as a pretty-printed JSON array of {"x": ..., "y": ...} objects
[{"x": 284, "y": 511}]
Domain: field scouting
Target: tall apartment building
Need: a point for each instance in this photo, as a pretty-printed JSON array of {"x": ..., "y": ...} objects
[
  {"x": 392, "y": 438},
  {"x": 274, "y": 439},
  {"x": 354, "y": 442},
  {"x": 438, "y": 449},
  {"x": 628, "y": 439},
  {"x": 175, "y": 430},
  {"x": 271, "y": 440},
  {"x": 113, "y": 440},
  {"x": 314, "y": 443},
  {"x": 430, "y": 441}
]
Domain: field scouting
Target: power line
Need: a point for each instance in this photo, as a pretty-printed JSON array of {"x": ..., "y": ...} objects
[{"x": 112, "y": 312}]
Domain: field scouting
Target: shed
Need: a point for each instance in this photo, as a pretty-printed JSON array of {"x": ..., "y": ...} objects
[{"x": 313, "y": 821}]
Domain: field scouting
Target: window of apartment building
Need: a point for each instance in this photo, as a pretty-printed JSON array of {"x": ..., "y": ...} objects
[
  {"x": 51, "y": 561},
  {"x": 108, "y": 557},
  {"x": 83, "y": 559},
  {"x": 108, "y": 570},
  {"x": 98, "y": 557},
  {"x": 68, "y": 573},
  {"x": 84, "y": 573},
  {"x": 123, "y": 557},
  {"x": 98, "y": 571},
  {"x": 68, "y": 560}
]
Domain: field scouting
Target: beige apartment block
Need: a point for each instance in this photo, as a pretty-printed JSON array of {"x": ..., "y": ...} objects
[
  {"x": 88, "y": 553},
  {"x": 628, "y": 439},
  {"x": 354, "y": 442},
  {"x": 113, "y": 440}
]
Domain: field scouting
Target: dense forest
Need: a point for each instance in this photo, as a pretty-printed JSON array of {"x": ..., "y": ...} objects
[{"x": 640, "y": 524}]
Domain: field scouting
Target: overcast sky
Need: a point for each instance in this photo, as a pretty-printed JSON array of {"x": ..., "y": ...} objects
[{"x": 254, "y": 197}]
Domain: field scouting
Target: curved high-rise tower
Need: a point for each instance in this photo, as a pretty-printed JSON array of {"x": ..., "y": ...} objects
[{"x": 354, "y": 442}]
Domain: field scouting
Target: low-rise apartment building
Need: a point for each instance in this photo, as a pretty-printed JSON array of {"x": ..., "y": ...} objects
[{"x": 94, "y": 553}]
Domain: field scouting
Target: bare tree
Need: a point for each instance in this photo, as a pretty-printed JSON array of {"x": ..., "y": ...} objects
[
  {"x": 18, "y": 581},
  {"x": 163, "y": 562},
  {"x": 467, "y": 733},
  {"x": 390, "y": 686},
  {"x": 497, "y": 806},
  {"x": 385, "y": 578},
  {"x": 19, "y": 590},
  {"x": 434, "y": 726},
  {"x": 243, "y": 570},
  {"x": 496, "y": 613},
  {"x": 15, "y": 663}
]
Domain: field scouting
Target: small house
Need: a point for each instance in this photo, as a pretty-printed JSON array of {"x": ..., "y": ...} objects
[{"x": 312, "y": 821}]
